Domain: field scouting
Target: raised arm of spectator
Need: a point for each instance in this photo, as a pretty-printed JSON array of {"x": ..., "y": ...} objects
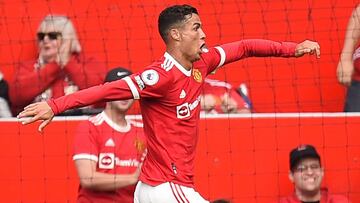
[
  {"x": 29, "y": 82},
  {"x": 46, "y": 110},
  {"x": 345, "y": 66},
  {"x": 85, "y": 72}
]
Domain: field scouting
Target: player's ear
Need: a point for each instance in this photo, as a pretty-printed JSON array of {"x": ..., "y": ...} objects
[
  {"x": 291, "y": 176},
  {"x": 175, "y": 34}
]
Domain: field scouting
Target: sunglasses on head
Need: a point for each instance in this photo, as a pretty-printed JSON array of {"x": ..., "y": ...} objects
[{"x": 51, "y": 35}]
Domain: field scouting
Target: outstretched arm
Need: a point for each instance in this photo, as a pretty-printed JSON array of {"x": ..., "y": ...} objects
[
  {"x": 345, "y": 66},
  {"x": 234, "y": 51},
  {"x": 45, "y": 111}
]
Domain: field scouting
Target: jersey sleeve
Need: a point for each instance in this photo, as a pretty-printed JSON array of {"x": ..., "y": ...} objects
[
  {"x": 150, "y": 83},
  {"x": 213, "y": 59},
  {"x": 227, "y": 53},
  {"x": 116, "y": 90},
  {"x": 84, "y": 146}
]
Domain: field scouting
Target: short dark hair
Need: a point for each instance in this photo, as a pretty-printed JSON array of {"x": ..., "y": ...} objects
[{"x": 173, "y": 15}]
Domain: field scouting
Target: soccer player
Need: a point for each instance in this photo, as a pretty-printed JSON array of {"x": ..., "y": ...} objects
[
  {"x": 108, "y": 151},
  {"x": 169, "y": 91}
]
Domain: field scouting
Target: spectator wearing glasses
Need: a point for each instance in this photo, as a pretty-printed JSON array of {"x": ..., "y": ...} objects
[
  {"x": 59, "y": 69},
  {"x": 306, "y": 173}
]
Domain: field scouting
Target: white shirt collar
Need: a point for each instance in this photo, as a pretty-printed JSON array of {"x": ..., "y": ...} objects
[
  {"x": 177, "y": 64},
  {"x": 115, "y": 126}
]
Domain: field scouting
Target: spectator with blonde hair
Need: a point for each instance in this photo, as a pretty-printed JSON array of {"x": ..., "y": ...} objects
[{"x": 60, "y": 68}]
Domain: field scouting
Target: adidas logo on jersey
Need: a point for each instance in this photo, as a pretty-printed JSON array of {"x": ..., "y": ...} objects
[
  {"x": 182, "y": 94},
  {"x": 167, "y": 64},
  {"x": 110, "y": 143}
]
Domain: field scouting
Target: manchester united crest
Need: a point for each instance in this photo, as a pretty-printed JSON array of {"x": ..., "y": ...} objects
[
  {"x": 197, "y": 75},
  {"x": 139, "y": 145}
]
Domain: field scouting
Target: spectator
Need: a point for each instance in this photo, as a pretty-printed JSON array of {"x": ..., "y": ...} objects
[
  {"x": 4, "y": 98},
  {"x": 306, "y": 173},
  {"x": 108, "y": 150},
  {"x": 222, "y": 97},
  {"x": 59, "y": 69},
  {"x": 348, "y": 69}
]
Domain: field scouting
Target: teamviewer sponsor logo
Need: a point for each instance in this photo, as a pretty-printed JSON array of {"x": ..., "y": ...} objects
[
  {"x": 183, "y": 111},
  {"x": 106, "y": 160}
]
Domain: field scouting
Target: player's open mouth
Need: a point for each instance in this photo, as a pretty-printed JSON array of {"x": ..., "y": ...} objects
[{"x": 204, "y": 48}]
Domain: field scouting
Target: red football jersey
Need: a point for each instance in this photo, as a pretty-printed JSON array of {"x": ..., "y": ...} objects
[
  {"x": 170, "y": 105},
  {"x": 116, "y": 149}
]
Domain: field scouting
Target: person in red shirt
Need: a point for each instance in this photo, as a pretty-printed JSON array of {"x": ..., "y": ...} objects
[
  {"x": 306, "y": 173},
  {"x": 169, "y": 91},
  {"x": 348, "y": 69},
  {"x": 60, "y": 69},
  {"x": 108, "y": 151},
  {"x": 221, "y": 97}
]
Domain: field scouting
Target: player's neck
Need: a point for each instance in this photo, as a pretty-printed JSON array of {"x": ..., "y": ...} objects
[
  {"x": 179, "y": 57},
  {"x": 116, "y": 117}
]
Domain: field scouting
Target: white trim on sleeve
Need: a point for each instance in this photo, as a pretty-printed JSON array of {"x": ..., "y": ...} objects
[
  {"x": 222, "y": 56},
  {"x": 85, "y": 156},
  {"x": 132, "y": 87}
]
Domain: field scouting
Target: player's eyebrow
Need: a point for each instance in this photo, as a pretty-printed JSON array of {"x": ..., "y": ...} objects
[{"x": 197, "y": 24}]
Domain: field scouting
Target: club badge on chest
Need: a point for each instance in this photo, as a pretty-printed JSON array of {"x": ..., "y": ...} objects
[{"x": 197, "y": 75}]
